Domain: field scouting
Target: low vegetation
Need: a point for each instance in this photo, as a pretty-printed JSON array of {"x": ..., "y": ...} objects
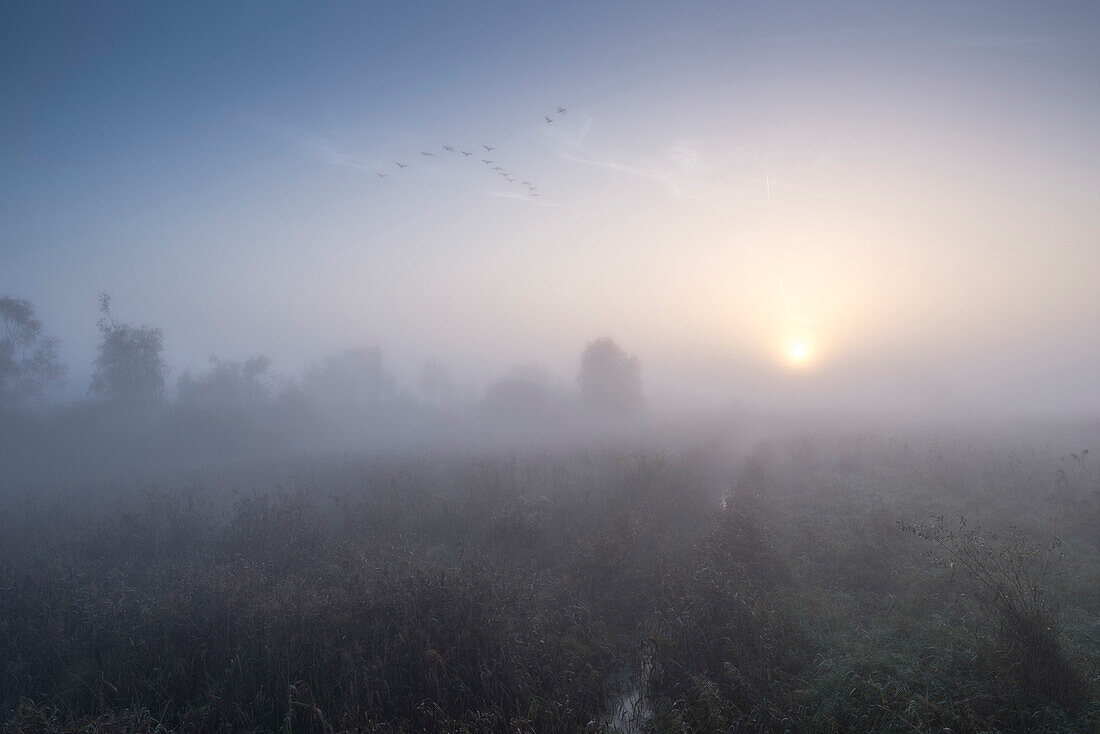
[{"x": 814, "y": 585}]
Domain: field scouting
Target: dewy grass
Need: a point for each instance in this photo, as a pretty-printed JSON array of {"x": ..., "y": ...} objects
[
  {"x": 1010, "y": 580},
  {"x": 540, "y": 593}
]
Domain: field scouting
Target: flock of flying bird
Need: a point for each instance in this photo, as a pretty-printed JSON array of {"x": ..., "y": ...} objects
[{"x": 508, "y": 176}]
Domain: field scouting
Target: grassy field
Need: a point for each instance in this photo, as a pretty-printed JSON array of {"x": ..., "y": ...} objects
[{"x": 812, "y": 584}]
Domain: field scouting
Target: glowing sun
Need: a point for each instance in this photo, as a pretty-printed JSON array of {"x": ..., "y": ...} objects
[{"x": 798, "y": 352}]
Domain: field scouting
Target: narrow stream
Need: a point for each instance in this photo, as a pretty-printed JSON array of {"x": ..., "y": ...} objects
[{"x": 631, "y": 711}]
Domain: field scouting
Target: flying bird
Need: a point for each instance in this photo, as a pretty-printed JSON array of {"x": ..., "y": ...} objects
[
  {"x": 509, "y": 180},
  {"x": 561, "y": 110},
  {"x": 402, "y": 165},
  {"x": 548, "y": 119},
  {"x": 497, "y": 168},
  {"x": 380, "y": 174},
  {"x": 448, "y": 148},
  {"x": 428, "y": 154},
  {"x": 465, "y": 153},
  {"x": 488, "y": 149},
  {"x": 485, "y": 161},
  {"x": 525, "y": 183}
]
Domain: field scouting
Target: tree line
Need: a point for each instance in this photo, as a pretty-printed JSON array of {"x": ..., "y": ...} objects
[{"x": 348, "y": 400}]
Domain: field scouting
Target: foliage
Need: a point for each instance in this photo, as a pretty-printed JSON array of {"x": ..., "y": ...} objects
[
  {"x": 29, "y": 364},
  {"x": 726, "y": 651},
  {"x": 1010, "y": 579},
  {"x": 129, "y": 367},
  {"x": 609, "y": 379},
  {"x": 353, "y": 378},
  {"x": 589, "y": 591},
  {"x": 229, "y": 385},
  {"x": 523, "y": 392}
]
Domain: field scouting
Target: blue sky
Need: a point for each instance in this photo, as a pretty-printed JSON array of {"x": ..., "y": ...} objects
[{"x": 899, "y": 173}]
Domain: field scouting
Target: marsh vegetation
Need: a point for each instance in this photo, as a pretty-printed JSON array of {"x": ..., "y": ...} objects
[{"x": 813, "y": 582}]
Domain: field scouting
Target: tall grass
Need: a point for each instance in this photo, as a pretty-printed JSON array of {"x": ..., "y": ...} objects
[{"x": 542, "y": 593}]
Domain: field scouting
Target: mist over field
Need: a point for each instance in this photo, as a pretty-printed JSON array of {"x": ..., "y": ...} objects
[{"x": 584, "y": 366}]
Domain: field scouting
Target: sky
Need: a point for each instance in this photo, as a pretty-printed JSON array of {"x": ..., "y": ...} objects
[{"x": 775, "y": 203}]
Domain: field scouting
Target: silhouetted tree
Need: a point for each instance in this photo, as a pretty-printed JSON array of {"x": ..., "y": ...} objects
[
  {"x": 129, "y": 369},
  {"x": 435, "y": 382},
  {"x": 232, "y": 409},
  {"x": 355, "y": 400},
  {"x": 28, "y": 360},
  {"x": 523, "y": 392},
  {"x": 610, "y": 380},
  {"x": 228, "y": 387},
  {"x": 353, "y": 379}
]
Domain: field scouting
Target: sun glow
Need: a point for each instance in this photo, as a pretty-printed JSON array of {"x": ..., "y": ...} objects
[{"x": 798, "y": 352}]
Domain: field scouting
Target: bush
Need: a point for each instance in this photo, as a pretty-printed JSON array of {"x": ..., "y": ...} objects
[
  {"x": 1010, "y": 581},
  {"x": 725, "y": 652}
]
